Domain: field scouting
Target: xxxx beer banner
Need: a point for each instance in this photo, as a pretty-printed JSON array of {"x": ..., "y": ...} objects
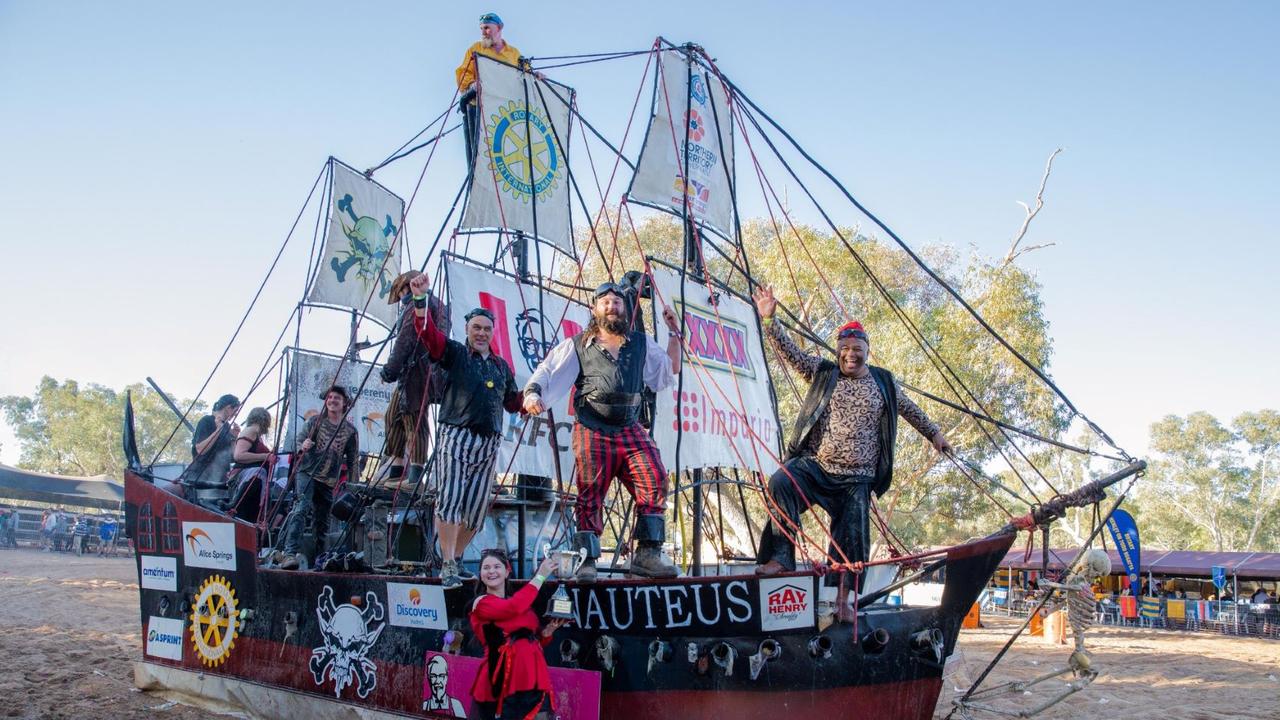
[
  {"x": 526, "y": 327},
  {"x": 692, "y": 106},
  {"x": 361, "y": 256},
  {"x": 521, "y": 178},
  {"x": 312, "y": 373},
  {"x": 724, "y": 406}
]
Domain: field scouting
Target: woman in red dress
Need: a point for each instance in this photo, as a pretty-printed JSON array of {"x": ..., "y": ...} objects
[{"x": 513, "y": 683}]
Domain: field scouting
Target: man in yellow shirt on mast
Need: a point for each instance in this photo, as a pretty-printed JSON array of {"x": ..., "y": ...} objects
[{"x": 493, "y": 45}]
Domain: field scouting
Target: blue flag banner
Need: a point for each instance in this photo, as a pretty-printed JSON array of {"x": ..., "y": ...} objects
[
  {"x": 1124, "y": 531},
  {"x": 1219, "y": 577}
]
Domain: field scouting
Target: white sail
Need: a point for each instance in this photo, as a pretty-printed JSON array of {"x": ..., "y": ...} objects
[
  {"x": 312, "y": 373},
  {"x": 658, "y": 180},
  {"x": 361, "y": 256},
  {"x": 525, "y": 329},
  {"x": 521, "y": 178},
  {"x": 726, "y": 418}
]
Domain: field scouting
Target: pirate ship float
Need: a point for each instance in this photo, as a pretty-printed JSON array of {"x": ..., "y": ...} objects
[{"x": 718, "y": 641}]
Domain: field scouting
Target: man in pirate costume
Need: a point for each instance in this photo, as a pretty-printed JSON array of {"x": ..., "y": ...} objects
[
  {"x": 330, "y": 446},
  {"x": 480, "y": 386},
  {"x": 411, "y": 369},
  {"x": 608, "y": 366},
  {"x": 841, "y": 449}
]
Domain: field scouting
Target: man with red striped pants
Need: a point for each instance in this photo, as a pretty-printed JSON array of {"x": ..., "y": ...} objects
[{"x": 608, "y": 367}]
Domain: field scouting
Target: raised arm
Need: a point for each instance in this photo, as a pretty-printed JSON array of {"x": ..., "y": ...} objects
[
  {"x": 767, "y": 306},
  {"x": 423, "y": 323}
]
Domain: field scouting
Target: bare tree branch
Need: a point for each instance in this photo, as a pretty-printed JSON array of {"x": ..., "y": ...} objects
[{"x": 1031, "y": 212}]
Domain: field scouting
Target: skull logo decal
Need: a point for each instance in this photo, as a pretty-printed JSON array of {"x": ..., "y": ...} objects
[{"x": 349, "y": 634}]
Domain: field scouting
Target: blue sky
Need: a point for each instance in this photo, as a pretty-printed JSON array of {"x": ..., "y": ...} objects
[{"x": 156, "y": 153}]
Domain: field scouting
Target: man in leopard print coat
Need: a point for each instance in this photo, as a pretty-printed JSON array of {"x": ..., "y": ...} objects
[{"x": 841, "y": 449}]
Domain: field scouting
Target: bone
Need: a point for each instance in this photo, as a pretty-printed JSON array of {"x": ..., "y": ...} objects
[{"x": 344, "y": 205}]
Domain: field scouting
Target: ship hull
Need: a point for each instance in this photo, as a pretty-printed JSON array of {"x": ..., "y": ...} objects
[{"x": 200, "y": 582}]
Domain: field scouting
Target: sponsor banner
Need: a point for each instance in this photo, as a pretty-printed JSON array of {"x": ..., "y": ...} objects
[
  {"x": 361, "y": 256},
  {"x": 164, "y": 638},
  {"x": 417, "y": 606},
  {"x": 313, "y": 373},
  {"x": 446, "y": 688},
  {"x": 521, "y": 179},
  {"x": 787, "y": 603},
  {"x": 209, "y": 545},
  {"x": 525, "y": 330},
  {"x": 159, "y": 573},
  {"x": 1124, "y": 531},
  {"x": 691, "y": 107},
  {"x": 725, "y": 406}
]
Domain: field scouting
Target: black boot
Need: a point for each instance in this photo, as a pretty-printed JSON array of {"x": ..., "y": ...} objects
[
  {"x": 589, "y": 541},
  {"x": 415, "y": 474},
  {"x": 651, "y": 530}
]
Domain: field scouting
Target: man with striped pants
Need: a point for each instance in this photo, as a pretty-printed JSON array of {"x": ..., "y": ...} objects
[
  {"x": 480, "y": 387},
  {"x": 608, "y": 366}
]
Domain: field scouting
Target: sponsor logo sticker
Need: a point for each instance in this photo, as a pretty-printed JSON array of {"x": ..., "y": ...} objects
[
  {"x": 159, "y": 573},
  {"x": 416, "y": 606},
  {"x": 209, "y": 545},
  {"x": 786, "y": 603},
  {"x": 164, "y": 638}
]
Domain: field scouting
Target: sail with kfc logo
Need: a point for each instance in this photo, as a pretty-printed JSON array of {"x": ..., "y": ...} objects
[{"x": 686, "y": 165}]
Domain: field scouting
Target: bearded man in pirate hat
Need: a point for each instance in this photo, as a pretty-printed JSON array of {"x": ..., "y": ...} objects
[
  {"x": 841, "y": 449},
  {"x": 609, "y": 365}
]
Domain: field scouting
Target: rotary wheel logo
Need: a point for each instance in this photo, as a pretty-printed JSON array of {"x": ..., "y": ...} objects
[
  {"x": 523, "y": 153},
  {"x": 214, "y": 621}
]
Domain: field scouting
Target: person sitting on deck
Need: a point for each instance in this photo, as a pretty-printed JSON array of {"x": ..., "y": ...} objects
[
  {"x": 331, "y": 445},
  {"x": 252, "y": 459},
  {"x": 212, "y": 443},
  {"x": 490, "y": 44},
  {"x": 480, "y": 387},
  {"x": 407, "y": 431},
  {"x": 841, "y": 449},
  {"x": 608, "y": 367}
]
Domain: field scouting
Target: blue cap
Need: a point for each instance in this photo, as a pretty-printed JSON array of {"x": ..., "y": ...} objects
[{"x": 491, "y": 18}]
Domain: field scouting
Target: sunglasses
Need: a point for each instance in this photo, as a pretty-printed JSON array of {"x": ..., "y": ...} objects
[{"x": 852, "y": 333}]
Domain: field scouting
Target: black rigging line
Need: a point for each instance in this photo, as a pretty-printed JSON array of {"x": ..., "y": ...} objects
[
  {"x": 931, "y": 353},
  {"x": 920, "y": 262},
  {"x": 243, "y": 318},
  {"x": 401, "y": 155},
  {"x": 394, "y": 153}
]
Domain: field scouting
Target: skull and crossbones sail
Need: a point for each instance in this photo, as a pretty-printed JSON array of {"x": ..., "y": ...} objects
[{"x": 349, "y": 633}]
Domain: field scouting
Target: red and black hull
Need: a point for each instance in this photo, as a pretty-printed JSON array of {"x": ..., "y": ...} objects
[{"x": 275, "y": 640}]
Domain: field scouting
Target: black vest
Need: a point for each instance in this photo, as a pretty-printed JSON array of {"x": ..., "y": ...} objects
[
  {"x": 607, "y": 393},
  {"x": 815, "y": 403}
]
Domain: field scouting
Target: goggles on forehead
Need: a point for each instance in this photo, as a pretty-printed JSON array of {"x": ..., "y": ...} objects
[
  {"x": 853, "y": 332},
  {"x": 609, "y": 288},
  {"x": 478, "y": 312}
]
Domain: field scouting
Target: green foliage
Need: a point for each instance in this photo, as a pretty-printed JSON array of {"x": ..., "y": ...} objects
[
  {"x": 1213, "y": 487},
  {"x": 820, "y": 282},
  {"x": 71, "y": 429}
]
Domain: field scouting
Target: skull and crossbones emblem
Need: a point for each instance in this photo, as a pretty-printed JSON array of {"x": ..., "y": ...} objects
[
  {"x": 349, "y": 634},
  {"x": 368, "y": 246}
]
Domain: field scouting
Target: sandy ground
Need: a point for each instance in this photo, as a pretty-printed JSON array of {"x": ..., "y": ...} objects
[
  {"x": 69, "y": 633},
  {"x": 1144, "y": 673}
]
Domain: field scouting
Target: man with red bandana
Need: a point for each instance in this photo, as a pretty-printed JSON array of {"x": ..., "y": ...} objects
[{"x": 841, "y": 449}]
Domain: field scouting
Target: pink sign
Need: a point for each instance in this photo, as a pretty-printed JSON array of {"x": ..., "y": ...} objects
[{"x": 446, "y": 688}]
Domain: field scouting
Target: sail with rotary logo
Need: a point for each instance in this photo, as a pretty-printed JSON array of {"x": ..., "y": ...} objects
[
  {"x": 521, "y": 176},
  {"x": 691, "y": 127}
]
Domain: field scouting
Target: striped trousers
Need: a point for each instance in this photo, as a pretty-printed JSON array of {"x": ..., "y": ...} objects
[
  {"x": 464, "y": 475},
  {"x": 404, "y": 431},
  {"x": 630, "y": 456}
]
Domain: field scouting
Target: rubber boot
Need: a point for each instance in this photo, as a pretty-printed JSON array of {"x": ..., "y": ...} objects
[
  {"x": 648, "y": 561},
  {"x": 585, "y": 539}
]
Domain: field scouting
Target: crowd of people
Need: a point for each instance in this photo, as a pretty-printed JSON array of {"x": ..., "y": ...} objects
[{"x": 60, "y": 530}]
